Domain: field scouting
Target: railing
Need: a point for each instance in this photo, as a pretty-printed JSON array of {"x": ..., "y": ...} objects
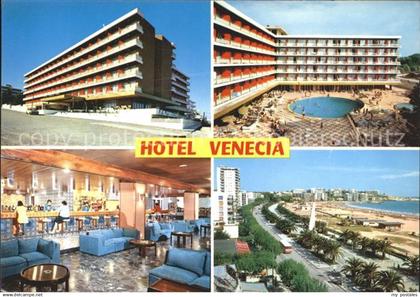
[
  {"x": 243, "y": 46},
  {"x": 92, "y": 59},
  {"x": 243, "y": 31},
  {"x": 106, "y": 40}
]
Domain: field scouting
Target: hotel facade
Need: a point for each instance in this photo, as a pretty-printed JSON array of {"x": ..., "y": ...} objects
[
  {"x": 124, "y": 64},
  {"x": 250, "y": 59}
]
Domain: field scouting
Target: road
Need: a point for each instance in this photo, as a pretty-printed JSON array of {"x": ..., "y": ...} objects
[
  {"x": 346, "y": 253},
  {"x": 317, "y": 269},
  {"x": 20, "y": 129}
]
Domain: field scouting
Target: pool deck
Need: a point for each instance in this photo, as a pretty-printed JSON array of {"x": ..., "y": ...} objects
[{"x": 378, "y": 123}]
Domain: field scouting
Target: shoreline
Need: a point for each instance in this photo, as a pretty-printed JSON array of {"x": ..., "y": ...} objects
[{"x": 382, "y": 211}]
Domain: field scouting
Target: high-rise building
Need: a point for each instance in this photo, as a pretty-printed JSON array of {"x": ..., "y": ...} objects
[
  {"x": 251, "y": 59},
  {"x": 228, "y": 183},
  {"x": 124, "y": 64}
]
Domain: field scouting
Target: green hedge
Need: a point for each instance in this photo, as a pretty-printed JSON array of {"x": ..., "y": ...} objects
[{"x": 296, "y": 277}]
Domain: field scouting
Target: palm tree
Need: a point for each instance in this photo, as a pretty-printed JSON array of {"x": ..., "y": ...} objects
[
  {"x": 353, "y": 267},
  {"x": 345, "y": 235},
  {"x": 384, "y": 246},
  {"x": 332, "y": 250},
  {"x": 390, "y": 281},
  {"x": 368, "y": 276},
  {"x": 364, "y": 243},
  {"x": 413, "y": 264},
  {"x": 355, "y": 238},
  {"x": 374, "y": 245}
]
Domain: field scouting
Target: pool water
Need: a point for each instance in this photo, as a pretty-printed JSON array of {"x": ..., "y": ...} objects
[{"x": 325, "y": 107}]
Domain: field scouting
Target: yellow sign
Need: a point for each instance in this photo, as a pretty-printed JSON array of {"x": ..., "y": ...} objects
[{"x": 161, "y": 147}]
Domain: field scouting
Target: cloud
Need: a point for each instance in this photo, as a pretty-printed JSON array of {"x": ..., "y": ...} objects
[{"x": 401, "y": 175}]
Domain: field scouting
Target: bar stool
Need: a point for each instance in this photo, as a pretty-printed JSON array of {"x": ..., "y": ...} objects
[
  {"x": 101, "y": 222},
  {"x": 79, "y": 222},
  {"x": 107, "y": 221},
  {"x": 95, "y": 222},
  {"x": 64, "y": 225},
  {"x": 87, "y": 222},
  {"x": 44, "y": 225}
]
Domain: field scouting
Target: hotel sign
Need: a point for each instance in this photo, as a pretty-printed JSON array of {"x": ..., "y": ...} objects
[{"x": 212, "y": 147}]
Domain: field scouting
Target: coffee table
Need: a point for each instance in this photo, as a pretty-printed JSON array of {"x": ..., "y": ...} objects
[
  {"x": 164, "y": 285},
  {"x": 142, "y": 244},
  {"x": 205, "y": 227},
  {"x": 45, "y": 275},
  {"x": 182, "y": 235}
]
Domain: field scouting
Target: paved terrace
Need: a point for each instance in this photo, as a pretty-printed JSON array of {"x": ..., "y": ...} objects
[{"x": 269, "y": 116}]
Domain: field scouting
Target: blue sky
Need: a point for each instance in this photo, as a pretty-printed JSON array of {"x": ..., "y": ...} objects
[
  {"x": 341, "y": 17},
  {"x": 395, "y": 172},
  {"x": 35, "y": 31}
]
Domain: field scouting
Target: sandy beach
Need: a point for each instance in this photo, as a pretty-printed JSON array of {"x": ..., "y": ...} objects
[{"x": 333, "y": 212}]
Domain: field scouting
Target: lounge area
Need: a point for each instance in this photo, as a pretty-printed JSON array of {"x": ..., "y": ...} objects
[{"x": 131, "y": 224}]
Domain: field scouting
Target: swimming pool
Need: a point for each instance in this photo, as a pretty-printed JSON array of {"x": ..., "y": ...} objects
[{"x": 325, "y": 107}]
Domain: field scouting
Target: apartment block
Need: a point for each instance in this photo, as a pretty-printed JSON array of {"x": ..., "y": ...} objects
[
  {"x": 124, "y": 64},
  {"x": 250, "y": 59},
  {"x": 228, "y": 187}
]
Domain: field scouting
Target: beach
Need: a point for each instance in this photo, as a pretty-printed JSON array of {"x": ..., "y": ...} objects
[{"x": 333, "y": 213}]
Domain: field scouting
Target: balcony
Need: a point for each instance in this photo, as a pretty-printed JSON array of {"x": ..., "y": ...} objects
[
  {"x": 117, "y": 63},
  {"x": 126, "y": 30},
  {"x": 126, "y": 45},
  {"x": 235, "y": 45},
  {"x": 222, "y": 81},
  {"x": 218, "y": 20},
  {"x": 175, "y": 83},
  {"x": 183, "y": 94}
]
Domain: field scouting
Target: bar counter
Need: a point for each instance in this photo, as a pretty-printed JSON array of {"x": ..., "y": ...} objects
[{"x": 44, "y": 214}]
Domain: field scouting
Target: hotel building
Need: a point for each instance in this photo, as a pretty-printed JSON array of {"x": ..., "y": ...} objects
[
  {"x": 124, "y": 64},
  {"x": 251, "y": 59},
  {"x": 228, "y": 194}
]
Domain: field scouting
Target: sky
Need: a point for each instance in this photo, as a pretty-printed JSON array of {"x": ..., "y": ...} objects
[
  {"x": 341, "y": 18},
  {"x": 35, "y": 31},
  {"x": 394, "y": 172}
]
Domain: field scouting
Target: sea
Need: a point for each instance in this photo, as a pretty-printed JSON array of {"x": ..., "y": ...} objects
[{"x": 402, "y": 207}]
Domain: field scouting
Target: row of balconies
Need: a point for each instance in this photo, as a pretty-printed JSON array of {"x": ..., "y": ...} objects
[
  {"x": 331, "y": 44},
  {"x": 112, "y": 37},
  {"x": 331, "y": 79},
  {"x": 179, "y": 85},
  {"x": 176, "y": 91},
  {"x": 219, "y": 80},
  {"x": 340, "y": 71},
  {"x": 302, "y": 54},
  {"x": 222, "y": 98},
  {"x": 230, "y": 25},
  {"x": 129, "y": 59},
  {"x": 242, "y": 46},
  {"x": 250, "y": 62},
  {"x": 122, "y": 47},
  {"x": 135, "y": 74}
]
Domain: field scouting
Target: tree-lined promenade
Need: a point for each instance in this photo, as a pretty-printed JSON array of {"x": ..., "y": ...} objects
[{"x": 329, "y": 246}]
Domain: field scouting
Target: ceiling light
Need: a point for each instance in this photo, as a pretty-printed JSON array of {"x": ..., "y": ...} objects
[
  {"x": 66, "y": 170},
  {"x": 183, "y": 165}
]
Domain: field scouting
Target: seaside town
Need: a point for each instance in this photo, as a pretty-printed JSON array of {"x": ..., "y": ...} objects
[{"x": 314, "y": 240}]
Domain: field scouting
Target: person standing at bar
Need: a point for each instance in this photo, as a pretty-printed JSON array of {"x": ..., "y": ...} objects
[
  {"x": 22, "y": 217},
  {"x": 63, "y": 214},
  {"x": 48, "y": 206}
]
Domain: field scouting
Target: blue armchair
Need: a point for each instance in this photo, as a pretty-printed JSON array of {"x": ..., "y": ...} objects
[
  {"x": 102, "y": 242},
  {"x": 155, "y": 231},
  {"x": 197, "y": 223},
  {"x": 182, "y": 226},
  {"x": 17, "y": 254},
  {"x": 184, "y": 266}
]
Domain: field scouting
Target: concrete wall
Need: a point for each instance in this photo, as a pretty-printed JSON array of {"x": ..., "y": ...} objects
[{"x": 163, "y": 67}]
